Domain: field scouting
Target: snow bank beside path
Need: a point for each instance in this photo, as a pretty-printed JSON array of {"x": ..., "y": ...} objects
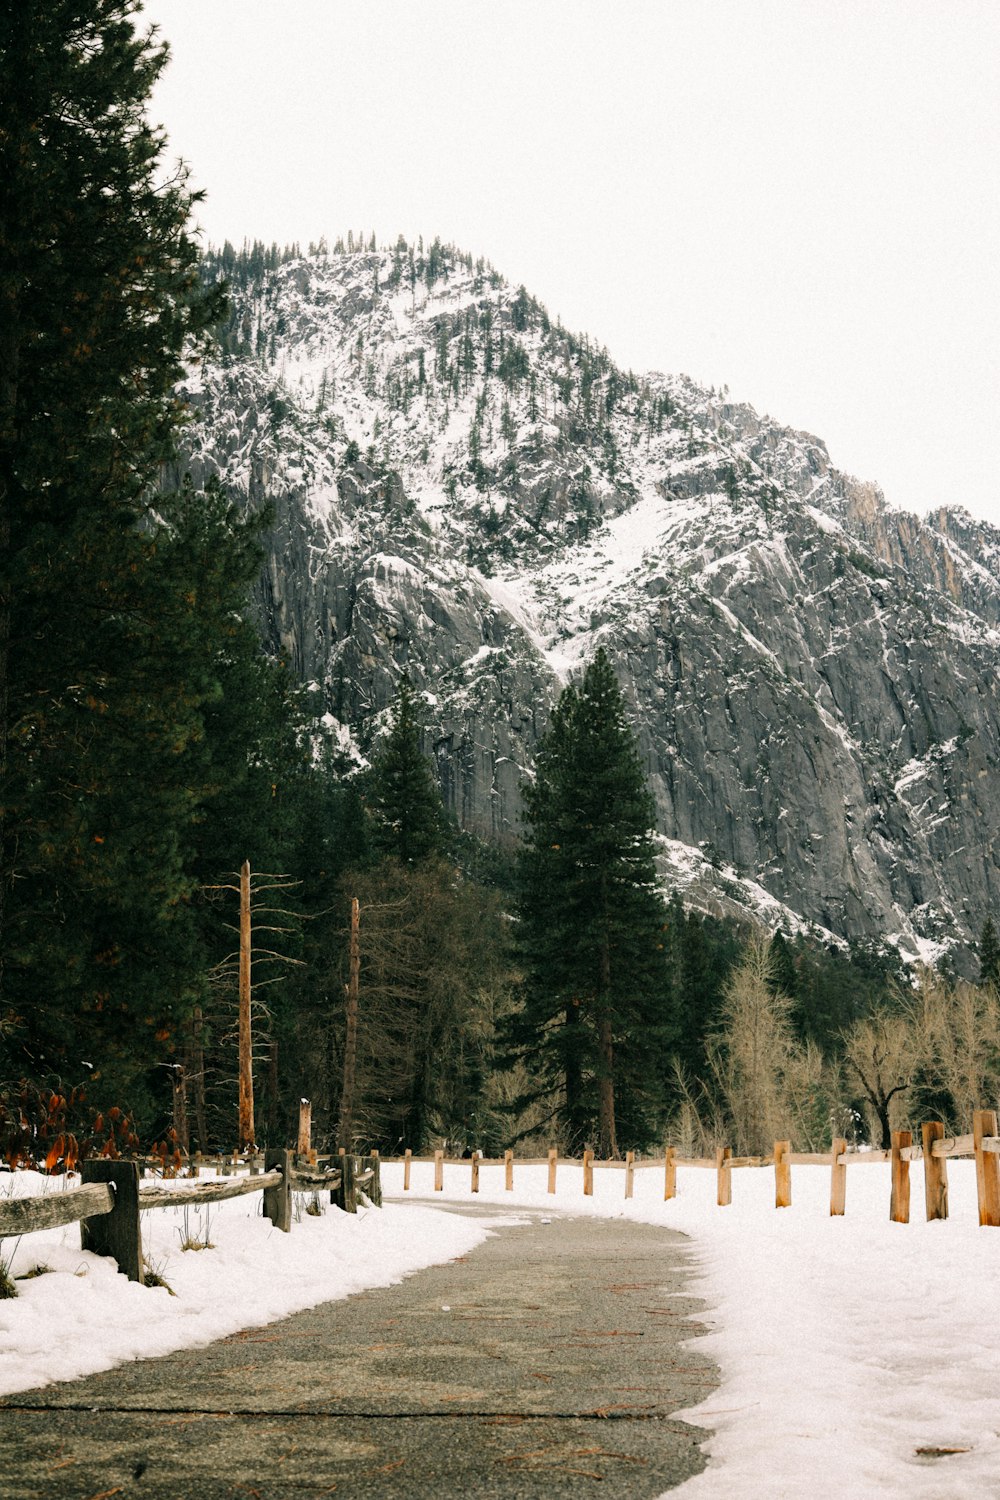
[
  {"x": 83, "y": 1315},
  {"x": 845, "y": 1345}
]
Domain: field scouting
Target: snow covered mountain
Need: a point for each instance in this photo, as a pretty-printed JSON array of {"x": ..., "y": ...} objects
[{"x": 467, "y": 492}]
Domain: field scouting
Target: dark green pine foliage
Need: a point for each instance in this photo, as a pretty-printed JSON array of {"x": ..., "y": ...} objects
[
  {"x": 116, "y": 603},
  {"x": 835, "y": 988},
  {"x": 784, "y": 975},
  {"x": 989, "y": 954},
  {"x": 701, "y": 951},
  {"x": 596, "y": 1027},
  {"x": 403, "y": 795}
]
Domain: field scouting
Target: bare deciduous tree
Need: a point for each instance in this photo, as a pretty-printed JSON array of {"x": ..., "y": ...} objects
[
  {"x": 957, "y": 1029},
  {"x": 770, "y": 1086},
  {"x": 881, "y": 1055}
]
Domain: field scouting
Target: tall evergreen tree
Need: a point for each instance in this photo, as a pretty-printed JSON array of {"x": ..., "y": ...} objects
[
  {"x": 433, "y": 969},
  {"x": 117, "y": 604},
  {"x": 403, "y": 795},
  {"x": 596, "y": 1024},
  {"x": 989, "y": 954},
  {"x": 784, "y": 979}
]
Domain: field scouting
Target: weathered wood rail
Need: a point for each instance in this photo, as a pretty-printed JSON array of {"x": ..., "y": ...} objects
[
  {"x": 934, "y": 1150},
  {"x": 112, "y": 1196}
]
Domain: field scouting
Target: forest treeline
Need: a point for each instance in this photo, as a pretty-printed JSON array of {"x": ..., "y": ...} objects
[{"x": 148, "y": 747}]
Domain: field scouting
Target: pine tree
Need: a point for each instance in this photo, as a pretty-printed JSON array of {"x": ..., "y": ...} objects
[
  {"x": 595, "y": 1025},
  {"x": 784, "y": 979},
  {"x": 103, "y": 916},
  {"x": 701, "y": 951},
  {"x": 433, "y": 969},
  {"x": 117, "y": 603},
  {"x": 989, "y": 954},
  {"x": 403, "y": 796}
]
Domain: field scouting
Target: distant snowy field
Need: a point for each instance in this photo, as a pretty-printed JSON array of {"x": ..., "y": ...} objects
[{"x": 845, "y": 1345}]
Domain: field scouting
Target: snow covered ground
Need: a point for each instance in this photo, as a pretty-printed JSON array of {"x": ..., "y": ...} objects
[
  {"x": 846, "y": 1345},
  {"x": 82, "y": 1316}
]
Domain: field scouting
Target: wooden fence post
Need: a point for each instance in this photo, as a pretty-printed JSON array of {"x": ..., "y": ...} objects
[
  {"x": 304, "y": 1143},
  {"x": 724, "y": 1175},
  {"x": 838, "y": 1179},
  {"x": 117, "y": 1233},
  {"x": 553, "y": 1160},
  {"x": 508, "y": 1171},
  {"x": 782, "y": 1175},
  {"x": 375, "y": 1186},
  {"x": 899, "y": 1202},
  {"x": 670, "y": 1174},
  {"x": 475, "y": 1171},
  {"x": 935, "y": 1172},
  {"x": 629, "y": 1172},
  {"x": 438, "y": 1171},
  {"x": 346, "y": 1197},
  {"x": 407, "y": 1159},
  {"x": 588, "y": 1172},
  {"x": 278, "y": 1200},
  {"x": 984, "y": 1122}
]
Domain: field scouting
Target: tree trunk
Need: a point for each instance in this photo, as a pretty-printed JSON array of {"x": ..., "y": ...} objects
[
  {"x": 9, "y": 352},
  {"x": 606, "y": 1082},
  {"x": 346, "y": 1125},
  {"x": 246, "y": 1130},
  {"x": 607, "y": 1135},
  {"x": 574, "y": 1084},
  {"x": 273, "y": 1108},
  {"x": 180, "y": 1109},
  {"x": 882, "y": 1110},
  {"x": 195, "y": 1065}
]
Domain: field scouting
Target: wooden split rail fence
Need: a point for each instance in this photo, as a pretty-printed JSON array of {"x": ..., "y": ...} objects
[
  {"x": 934, "y": 1150},
  {"x": 112, "y": 1196}
]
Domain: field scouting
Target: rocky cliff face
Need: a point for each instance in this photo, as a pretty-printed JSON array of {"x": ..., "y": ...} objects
[{"x": 466, "y": 492}]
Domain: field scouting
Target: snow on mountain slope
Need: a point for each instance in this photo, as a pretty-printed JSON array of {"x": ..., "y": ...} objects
[{"x": 467, "y": 492}]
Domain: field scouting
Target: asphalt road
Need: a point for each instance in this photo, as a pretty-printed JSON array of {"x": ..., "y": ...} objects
[{"x": 545, "y": 1363}]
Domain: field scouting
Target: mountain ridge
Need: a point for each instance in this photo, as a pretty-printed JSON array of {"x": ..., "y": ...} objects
[{"x": 467, "y": 492}]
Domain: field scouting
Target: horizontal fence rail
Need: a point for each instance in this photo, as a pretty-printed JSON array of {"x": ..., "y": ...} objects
[
  {"x": 112, "y": 1195},
  {"x": 53, "y": 1210},
  {"x": 934, "y": 1150}
]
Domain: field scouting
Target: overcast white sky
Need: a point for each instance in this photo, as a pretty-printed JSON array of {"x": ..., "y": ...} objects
[{"x": 794, "y": 198}]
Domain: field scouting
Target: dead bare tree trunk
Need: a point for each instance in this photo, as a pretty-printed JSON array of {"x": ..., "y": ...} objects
[
  {"x": 273, "y": 1115},
  {"x": 180, "y": 1108},
  {"x": 346, "y": 1125},
  {"x": 195, "y": 1068},
  {"x": 246, "y": 1140}
]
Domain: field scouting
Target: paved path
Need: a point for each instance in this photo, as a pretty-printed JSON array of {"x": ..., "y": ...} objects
[{"x": 547, "y": 1362}]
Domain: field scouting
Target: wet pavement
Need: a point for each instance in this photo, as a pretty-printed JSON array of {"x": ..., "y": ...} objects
[{"x": 549, "y": 1361}]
